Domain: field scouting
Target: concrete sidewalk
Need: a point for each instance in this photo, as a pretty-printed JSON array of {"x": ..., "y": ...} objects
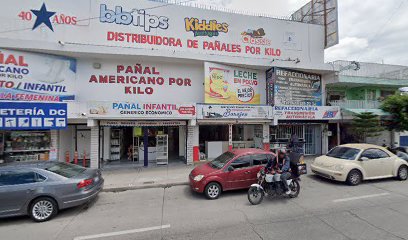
[
  {"x": 133, "y": 178},
  {"x": 152, "y": 177}
]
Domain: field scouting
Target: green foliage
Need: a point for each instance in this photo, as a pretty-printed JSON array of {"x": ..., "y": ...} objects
[
  {"x": 365, "y": 125},
  {"x": 397, "y": 107}
]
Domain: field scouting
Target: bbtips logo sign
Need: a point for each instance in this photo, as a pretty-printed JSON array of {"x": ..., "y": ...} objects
[
  {"x": 203, "y": 28},
  {"x": 136, "y": 17}
]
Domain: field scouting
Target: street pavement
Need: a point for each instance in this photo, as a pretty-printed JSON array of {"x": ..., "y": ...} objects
[{"x": 323, "y": 210}]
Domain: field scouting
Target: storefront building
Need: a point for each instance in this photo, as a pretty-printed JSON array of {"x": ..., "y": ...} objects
[{"x": 153, "y": 85}]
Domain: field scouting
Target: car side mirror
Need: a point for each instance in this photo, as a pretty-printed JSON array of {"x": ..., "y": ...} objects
[
  {"x": 363, "y": 159},
  {"x": 230, "y": 169}
]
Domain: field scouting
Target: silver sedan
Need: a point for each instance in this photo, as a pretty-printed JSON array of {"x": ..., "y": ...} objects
[{"x": 40, "y": 189}]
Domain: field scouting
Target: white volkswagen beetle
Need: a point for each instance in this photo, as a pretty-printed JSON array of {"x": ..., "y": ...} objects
[{"x": 353, "y": 163}]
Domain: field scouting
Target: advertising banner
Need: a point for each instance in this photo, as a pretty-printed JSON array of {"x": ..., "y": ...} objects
[
  {"x": 290, "y": 87},
  {"x": 32, "y": 116},
  {"x": 134, "y": 110},
  {"x": 36, "y": 77},
  {"x": 162, "y": 29},
  {"x": 128, "y": 123},
  {"x": 140, "y": 81},
  {"x": 232, "y": 85},
  {"x": 233, "y": 112},
  {"x": 306, "y": 112}
]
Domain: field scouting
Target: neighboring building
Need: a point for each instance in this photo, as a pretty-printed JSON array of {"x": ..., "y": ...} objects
[
  {"x": 360, "y": 87},
  {"x": 147, "y": 81}
]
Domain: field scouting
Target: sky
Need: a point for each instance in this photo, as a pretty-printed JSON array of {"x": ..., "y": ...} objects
[{"x": 370, "y": 31}]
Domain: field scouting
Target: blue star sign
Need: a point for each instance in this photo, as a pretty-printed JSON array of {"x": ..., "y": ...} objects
[{"x": 43, "y": 16}]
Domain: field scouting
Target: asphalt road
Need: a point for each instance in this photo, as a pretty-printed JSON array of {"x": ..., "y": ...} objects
[{"x": 323, "y": 210}]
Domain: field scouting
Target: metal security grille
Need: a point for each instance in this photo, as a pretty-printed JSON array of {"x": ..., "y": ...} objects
[
  {"x": 286, "y": 131},
  {"x": 310, "y": 140},
  {"x": 310, "y": 134}
]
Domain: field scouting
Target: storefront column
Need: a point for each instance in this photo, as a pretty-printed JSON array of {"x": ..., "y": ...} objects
[
  {"x": 94, "y": 155},
  {"x": 265, "y": 137},
  {"x": 182, "y": 141},
  {"x": 338, "y": 134},
  {"x": 54, "y": 145},
  {"x": 193, "y": 150},
  {"x": 230, "y": 137},
  {"x": 325, "y": 138}
]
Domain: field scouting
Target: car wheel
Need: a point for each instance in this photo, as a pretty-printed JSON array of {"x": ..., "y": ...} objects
[
  {"x": 354, "y": 177},
  {"x": 43, "y": 209},
  {"x": 212, "y": 190},
  {"x": 402, "y": 173}
]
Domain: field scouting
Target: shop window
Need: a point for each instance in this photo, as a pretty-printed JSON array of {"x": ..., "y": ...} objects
[
  {"x": 370, "y": 94},
  {"x": 386, "y": 93},
  {"x": 26, "y": 145}
]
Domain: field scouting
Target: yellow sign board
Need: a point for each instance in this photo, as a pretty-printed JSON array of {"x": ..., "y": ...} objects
[{"x": 231, "y": 85}]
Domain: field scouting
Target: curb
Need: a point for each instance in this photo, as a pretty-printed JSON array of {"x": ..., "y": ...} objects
[{"x": 159, "y": 185}]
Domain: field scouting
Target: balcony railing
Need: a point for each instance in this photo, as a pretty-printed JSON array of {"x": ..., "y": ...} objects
[{"x": 356, "y": 104}]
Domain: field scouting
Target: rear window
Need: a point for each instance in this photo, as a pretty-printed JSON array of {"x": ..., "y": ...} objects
[
  {"x": 66, "y": 170},
  {"x": 344, "y": 153}
]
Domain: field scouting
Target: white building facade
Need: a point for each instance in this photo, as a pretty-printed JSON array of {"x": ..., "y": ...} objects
[{"x": 145, "y": 81}]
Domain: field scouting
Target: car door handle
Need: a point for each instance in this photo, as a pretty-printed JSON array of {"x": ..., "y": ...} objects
[
  {"x": 30, "y": 190},
  {"x": 247, "y": 172}
]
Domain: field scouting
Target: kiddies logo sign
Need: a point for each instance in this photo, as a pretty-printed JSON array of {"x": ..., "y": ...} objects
[
  {"x": 255, "y": 37},
  {"x": 206, "y": 28},
  {"x": 141, "y": 110},
  {"x": 138, "y": 18},
  {"x": 36, "y": 77}
]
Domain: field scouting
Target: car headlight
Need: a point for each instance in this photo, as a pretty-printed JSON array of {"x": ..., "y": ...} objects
[
  {"x": 198, "y": 178},
  {"x": 338, "y": 167}
]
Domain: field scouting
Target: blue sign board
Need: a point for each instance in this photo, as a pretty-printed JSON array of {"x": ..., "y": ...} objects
[{"x": 32, "y": 116}]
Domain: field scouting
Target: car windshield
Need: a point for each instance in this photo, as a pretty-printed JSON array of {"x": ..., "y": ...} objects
[
  {"x": 221, "y": 160},
  {"x": 66, "y": 170},
  {"x": 344, "y": 153}
]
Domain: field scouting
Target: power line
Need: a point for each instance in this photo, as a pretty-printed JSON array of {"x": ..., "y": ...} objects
[{"x": 381, "y": 29}]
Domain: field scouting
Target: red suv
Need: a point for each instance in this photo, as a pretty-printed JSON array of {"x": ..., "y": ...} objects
[{"x": 236, "y": 169}]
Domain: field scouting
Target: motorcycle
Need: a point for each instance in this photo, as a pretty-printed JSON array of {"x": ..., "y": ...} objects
[{"x": 271, "y": 185}]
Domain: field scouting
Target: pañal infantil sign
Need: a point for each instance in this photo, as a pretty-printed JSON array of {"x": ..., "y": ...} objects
[{"x": 136, "y": 110}]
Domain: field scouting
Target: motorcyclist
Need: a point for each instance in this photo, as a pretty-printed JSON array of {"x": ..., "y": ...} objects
[{"x": 280, "y": 165}]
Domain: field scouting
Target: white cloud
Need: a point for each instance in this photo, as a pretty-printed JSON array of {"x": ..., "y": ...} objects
[{"x": 347, "y": 49}]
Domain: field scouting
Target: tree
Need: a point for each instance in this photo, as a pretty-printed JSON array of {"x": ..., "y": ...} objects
[
  {"x": 366, "y": 125},
  {"x": 397, "y": 107}
]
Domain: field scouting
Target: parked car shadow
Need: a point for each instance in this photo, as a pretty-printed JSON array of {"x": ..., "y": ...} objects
[
  {"x": 241, "y": 193},
  {"x": 62, "y": 214},
  {"x": 337, "y": 183}
]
